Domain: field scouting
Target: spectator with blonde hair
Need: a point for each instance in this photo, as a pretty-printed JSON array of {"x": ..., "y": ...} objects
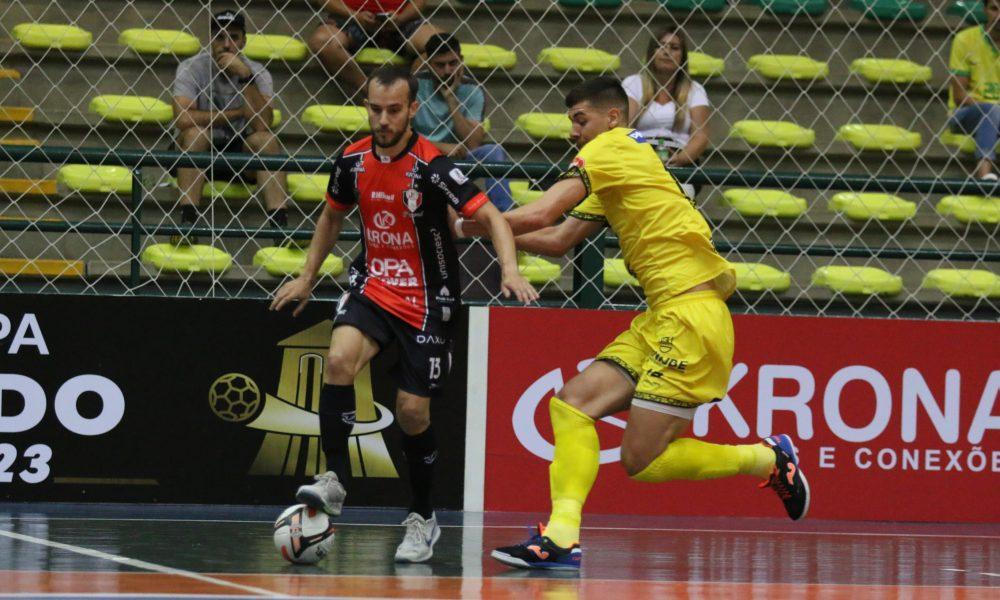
[{"x": 669, "y": 109}]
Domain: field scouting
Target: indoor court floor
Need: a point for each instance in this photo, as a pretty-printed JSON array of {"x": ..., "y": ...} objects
[{"x": 102, "y": 550}]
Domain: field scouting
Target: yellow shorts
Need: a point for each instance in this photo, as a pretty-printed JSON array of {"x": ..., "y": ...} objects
[{"x": 679, "y": 353}]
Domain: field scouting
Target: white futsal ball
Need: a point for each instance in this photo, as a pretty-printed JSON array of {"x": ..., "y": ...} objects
[{"x": 303, "y": 535}]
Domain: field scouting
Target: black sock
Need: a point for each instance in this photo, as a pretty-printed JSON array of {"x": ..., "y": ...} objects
[
  {"x": 421, "y": 454},
  {"x": 336, "y": 419},
  {"x": 189, "y": 214},
  {"x": 278, "y": 218}
]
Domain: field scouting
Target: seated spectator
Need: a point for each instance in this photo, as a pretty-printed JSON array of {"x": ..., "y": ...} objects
[
  {"x": 351, "y": 25},
  {"x": 666, "y": 106},
  {"x": 451, "y": 113},
  {"x": 223, "y": 103},
  {"x": 975, "y": 88}
]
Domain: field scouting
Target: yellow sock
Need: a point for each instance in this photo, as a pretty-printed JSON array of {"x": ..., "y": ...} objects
[
  {"x": 572, "y": 472},
  {"x": 691, "y": 459}
]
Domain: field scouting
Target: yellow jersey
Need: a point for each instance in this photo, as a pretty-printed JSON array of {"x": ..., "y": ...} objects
[
  {"x": 665, "y": 241},
  {"x": 974, "y": 55}
]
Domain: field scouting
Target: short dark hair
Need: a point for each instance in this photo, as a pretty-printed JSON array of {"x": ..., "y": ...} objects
[
  {"x": 441, "y": 43},
  {"x": 390, "y": 74},
  {"x": 602, "y": 92}
]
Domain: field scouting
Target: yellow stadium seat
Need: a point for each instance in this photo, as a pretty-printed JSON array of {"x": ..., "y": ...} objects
[
  {"x": 42, "y": 267},
  {"x": 884, "y": 207},
  {"x": 228, "y": 190},
  {"x": 858, "y": 280},
  {"x": 132, "y": 109},
  {"x": 616, "y": 274},
  {"x": 545, "y": 126},
  {"x": 31, "y": 187},
  {"x": 761, "y": 202},
  {"x": 276, "y": 117},
  {"x": 160, "y": 41},
  {"x": 891, "y": 70},
  {"x": 788, "y": 66},
  {"x": 586, "y": 60},
  {"x": 10, "y": 74},
  {"x": 781, "y": 134},
  {"x": 379, "y": 57},
  {"x": 269, "y": 47},
  {"x": 487, "y": 56},
  {"x": 537, "y": 270},
  {"x": 16, "y": 114},
  {"x": 522, "y": 193},
  {"x": 704, "y": 65},
  {"x": 96, "y": 179},
  {"x": 964, "y": 283},
  {"x": 970, "y": 209},
  {"x": 758, "y": 277},
  {"x": 187, "y": 259},
  {"x": 335, "y": 117},
  {"x": 964, "y": 143},
  {"x": 19, "y": 141},
  {"x": 303, "y": 187},
  {"x": 290, "y": 261},
  {"x": 49, "y": 35},
  {"x": 879, "y": 137}
]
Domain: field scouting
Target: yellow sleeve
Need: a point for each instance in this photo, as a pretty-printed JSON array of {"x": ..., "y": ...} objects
[
  {"x": 598, "y": 166},
  {"x": 959, "y": 63},
  {"x": 590, "y": 209}
]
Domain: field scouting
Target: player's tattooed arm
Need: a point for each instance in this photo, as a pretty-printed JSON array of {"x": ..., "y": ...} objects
[
  {"x": 557, "y": 240},
  {"x": 545, "y": 211},
  {"x": 328, "y": 228},
  {"x": 511, "y": 282}
]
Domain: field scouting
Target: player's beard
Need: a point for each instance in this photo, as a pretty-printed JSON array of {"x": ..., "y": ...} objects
[{"x": 382, "y": 141}]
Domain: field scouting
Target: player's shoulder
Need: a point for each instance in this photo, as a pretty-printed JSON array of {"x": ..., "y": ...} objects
[
  {"x": 359, "y": 147},
  {"x": 614, "y": 143},
  {"x": 970, "y": 35},
  {"x": 425, "y": 150}
]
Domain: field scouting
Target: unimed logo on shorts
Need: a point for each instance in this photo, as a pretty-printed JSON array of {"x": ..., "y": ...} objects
[{"x": 290, "y": 417}]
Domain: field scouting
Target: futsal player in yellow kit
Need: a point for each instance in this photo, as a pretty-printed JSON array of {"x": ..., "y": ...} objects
[{"x": 675, "y": 357}]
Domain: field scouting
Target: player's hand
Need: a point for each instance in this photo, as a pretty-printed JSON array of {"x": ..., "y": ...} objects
[
  {"x": 297, "y": 289},
  {"x": 515, "y": 283},
  {"x": 231, "y": 63}
]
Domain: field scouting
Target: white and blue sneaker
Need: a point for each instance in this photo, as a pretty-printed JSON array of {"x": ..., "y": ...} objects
[
  {"x": 787, "y": 479},
  {"x": 418, "y": 543}
]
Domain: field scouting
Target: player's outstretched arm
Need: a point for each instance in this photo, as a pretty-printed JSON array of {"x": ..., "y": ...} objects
[
  {"x": 545, "y": 211},
  {"x": 559, "y": 239},
  {"x": 512, "y": 282},
  {"x": 327, "y": 231}
]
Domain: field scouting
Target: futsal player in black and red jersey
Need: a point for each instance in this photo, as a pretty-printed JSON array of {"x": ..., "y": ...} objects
[{"x": 404, "y": 287}]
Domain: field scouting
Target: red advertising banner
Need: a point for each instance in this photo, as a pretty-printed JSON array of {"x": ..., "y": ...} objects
[{"x": 893, "y": 419}]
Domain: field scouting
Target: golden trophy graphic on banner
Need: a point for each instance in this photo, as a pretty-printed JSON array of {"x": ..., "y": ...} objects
[{"x": 290, "y": 417}]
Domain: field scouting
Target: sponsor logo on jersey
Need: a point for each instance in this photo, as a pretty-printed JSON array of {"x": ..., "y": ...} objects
[
  {"x": 578, "y": 162},
  {"x": 442, "y": 264},
  {"x": 635, "y": 135},
  {"x": 380, "y": 195},
  {"x": 430, "y": 339},
  {"x": 384, "y": 219},
  {"x": 458, "y": 176},
  {"x": 389, "y": 239},
  {"x": 395, "y": 272}
]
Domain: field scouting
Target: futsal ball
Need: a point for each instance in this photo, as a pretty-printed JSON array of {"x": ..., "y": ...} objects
[
  {"x": 303, "y": 535},
  {"x": 234, "y": 397}
]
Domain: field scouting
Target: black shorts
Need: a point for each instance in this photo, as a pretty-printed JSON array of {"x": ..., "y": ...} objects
[
  {"x": 424, "y": 356},
  {"x": 391, "y": 37}
]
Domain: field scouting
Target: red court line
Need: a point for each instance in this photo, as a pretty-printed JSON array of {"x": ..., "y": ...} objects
[{"x": 69, "y": 582}]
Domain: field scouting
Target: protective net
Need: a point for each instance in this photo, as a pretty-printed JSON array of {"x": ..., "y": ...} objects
[{"x": 106, "y": 80}]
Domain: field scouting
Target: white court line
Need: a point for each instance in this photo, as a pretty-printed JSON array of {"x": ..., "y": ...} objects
[
  {"x": 991, "y": 574},
  {"x": 141, "y": 564},
  {"x": 526, "y": 526},
  {"x": 955, "y": 570}
]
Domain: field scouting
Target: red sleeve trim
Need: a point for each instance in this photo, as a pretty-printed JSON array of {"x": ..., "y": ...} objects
[
  {"x": 473, "y": 205},
  {"x": 337, "y": 205}
]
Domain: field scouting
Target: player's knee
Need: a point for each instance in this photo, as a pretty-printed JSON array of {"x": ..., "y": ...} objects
[
  {"x": 413, "y": 417},
  {"x": 325, "y": 39},
  {"x": 577, "y": 397},
  {"x": 193, "y": 138},
  {"x": 633, "y": 461},
  {"x": 341, "y": 367}
]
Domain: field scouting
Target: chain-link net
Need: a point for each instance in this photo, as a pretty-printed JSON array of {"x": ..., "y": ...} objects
[{"x": 70, "y": 230}]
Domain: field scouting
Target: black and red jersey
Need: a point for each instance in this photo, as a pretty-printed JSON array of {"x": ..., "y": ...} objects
[{"x": 408, "y": 264}]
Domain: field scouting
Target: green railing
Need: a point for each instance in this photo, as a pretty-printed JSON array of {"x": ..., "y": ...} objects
[{"x": 588, "y": 259}]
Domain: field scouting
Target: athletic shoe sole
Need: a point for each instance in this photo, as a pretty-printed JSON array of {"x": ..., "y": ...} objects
[
  {"x": 307, "y": 496},
  {"x": 805, "y": 485},
  {"x": 511, "y": 561},
  {"x": 430, "y": 550}
]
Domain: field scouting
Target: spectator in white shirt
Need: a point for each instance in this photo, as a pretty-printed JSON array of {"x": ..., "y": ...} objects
[{"x": 669, "y": 109}]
